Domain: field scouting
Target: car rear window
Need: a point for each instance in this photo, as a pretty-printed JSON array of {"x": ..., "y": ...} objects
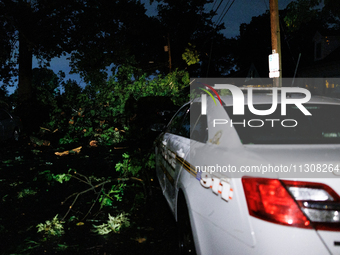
[{"x": 322, "y": 127}]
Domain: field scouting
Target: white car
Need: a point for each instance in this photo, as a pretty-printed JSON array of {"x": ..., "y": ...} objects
[{"x": 251, "y": 184}]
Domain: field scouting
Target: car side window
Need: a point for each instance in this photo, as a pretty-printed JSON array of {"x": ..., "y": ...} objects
[
  {"x": 200, "y": 130},
  {"x": 185, "y": 127},
  {"x": 4, "y": 115},
  {"x": 199, "y": 124},
  {"x": 189, "y": 123},
  {"x": 175, "y": 126},
  {"x": 190, "y": 119}
]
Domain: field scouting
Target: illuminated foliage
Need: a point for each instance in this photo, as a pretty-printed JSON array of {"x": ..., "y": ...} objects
[
  {"x": 114, "y": 224},
  {"x": 191, "y": 56},
  {"x": 303, "y": 11},
  {"x": 51, "y": 228}
]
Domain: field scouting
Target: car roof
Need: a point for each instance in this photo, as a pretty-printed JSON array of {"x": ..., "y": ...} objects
[
  {"x": 264, "y": 96},
  {"x": 267, "y": 98}
]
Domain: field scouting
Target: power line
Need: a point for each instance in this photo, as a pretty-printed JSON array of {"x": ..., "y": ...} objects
[
  {"x": 226, "y": 11},
  {"x": 219, "y": 5},
  {"x": 219, "y": 18},
  {"x": 222, "y": 13},
  {"x": 212, "y": 8}
]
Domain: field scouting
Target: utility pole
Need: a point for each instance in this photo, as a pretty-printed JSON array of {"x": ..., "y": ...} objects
[{"x": 275, "y": 37}]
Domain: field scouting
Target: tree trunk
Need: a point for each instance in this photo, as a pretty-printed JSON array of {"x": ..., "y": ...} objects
[
  {"x": 25, "y": 71},
  {"x": 25, "y": 107}
]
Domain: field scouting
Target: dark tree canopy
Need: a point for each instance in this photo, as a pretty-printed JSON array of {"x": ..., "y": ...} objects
[
  {"x": 189, "y": 23},
  {"x": 304, "y": 11},
  {"x": 254, "y": 44},
  {"x": 98, "y": 33},
  {"x": 45, "y": 85},
  {"x": 102, "y": 34},
  {"x": 114, "y": 32},
  {"x": 7, "y": 46},
  {"x": 40, "y": 28}
]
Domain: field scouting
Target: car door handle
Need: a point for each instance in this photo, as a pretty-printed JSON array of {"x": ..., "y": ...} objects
[{"x": 180, "y": 153}]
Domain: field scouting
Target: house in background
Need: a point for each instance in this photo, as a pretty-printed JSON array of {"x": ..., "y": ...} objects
[
  {"x": 322, "y": 76},
  {"x": 324, "y": 45},
  {"x": 326, "y": 57}
]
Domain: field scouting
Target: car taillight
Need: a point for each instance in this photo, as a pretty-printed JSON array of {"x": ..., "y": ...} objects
[
  {"x": 319, "y": 202},
  {"x": 268, "y": 200},
  {"x": 293, "y": 203}
]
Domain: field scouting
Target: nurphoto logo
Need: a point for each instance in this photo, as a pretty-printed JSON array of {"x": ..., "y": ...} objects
[
  {"x": 239, "y": 104},
  {"x": 238, "y": 99}
]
